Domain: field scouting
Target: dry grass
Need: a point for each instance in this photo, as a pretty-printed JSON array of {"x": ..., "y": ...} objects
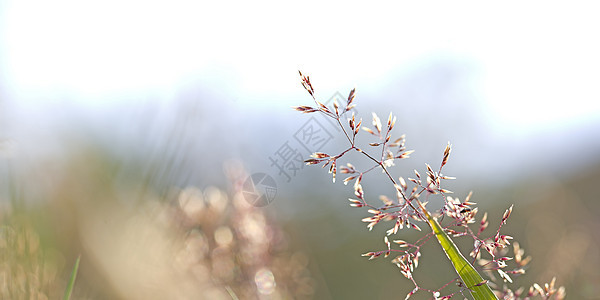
[{"x": 185, "y": 243}]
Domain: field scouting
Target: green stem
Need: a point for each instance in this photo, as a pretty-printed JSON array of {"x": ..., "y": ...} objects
[
  {"x": 469, "y": 276},
  {"x": 71, "y": 285}
]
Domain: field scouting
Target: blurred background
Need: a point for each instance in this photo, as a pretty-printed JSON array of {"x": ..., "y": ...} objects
[{"x": 128, "y": 130}]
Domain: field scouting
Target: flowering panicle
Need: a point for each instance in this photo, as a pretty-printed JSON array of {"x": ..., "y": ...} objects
[{"x": 407, "y": 209}]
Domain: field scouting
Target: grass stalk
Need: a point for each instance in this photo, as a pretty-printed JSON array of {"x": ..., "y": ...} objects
[
  {"x": 71, "y": 285},
  {"x": 479, "y": 288}
]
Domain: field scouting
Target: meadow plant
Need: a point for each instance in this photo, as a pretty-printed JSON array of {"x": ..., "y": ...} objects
[
  {"x": 490, "y": 253},
  {"x": 201, "y": 244},
  {"x": 244, "y": 251},
  {"x": 26, "y": 268},
  {"x": 183, "y": 243}
]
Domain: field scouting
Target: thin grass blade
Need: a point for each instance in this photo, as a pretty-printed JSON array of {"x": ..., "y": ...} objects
[
  {"x": 71, "y": 284},
  {"x": 472, "y": 280}
]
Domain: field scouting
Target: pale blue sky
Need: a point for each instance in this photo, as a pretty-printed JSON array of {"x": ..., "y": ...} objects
[{"x": 536, "y": 56}]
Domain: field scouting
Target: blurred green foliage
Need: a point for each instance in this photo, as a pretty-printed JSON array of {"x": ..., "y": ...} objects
[{"x": 45, "y": 223}]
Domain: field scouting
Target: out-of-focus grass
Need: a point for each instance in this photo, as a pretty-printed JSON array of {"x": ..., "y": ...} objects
[
  {"x": 561, "y": 224},
  {"x": 141, "y": 237},
  {"x": 27, "y": 271}
]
